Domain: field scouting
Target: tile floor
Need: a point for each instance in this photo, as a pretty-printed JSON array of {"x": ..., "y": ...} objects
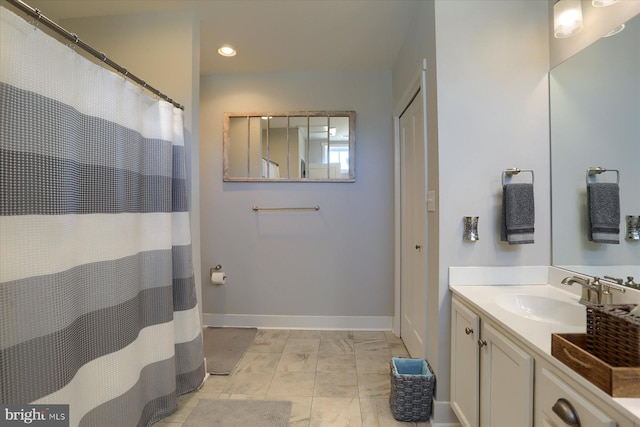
[{"x": 333, "y": 378}]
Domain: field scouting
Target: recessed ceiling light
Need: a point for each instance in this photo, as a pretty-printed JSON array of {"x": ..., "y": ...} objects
[{"x": 227, "y": 50}]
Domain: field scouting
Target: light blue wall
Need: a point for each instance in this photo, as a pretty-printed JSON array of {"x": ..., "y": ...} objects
[
  {"x": 335, "y": 262},
  {"x": 491, "y": 97}
]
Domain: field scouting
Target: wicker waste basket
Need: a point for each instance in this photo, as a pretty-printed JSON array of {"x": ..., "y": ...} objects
[{"x": 412, "y": 383}]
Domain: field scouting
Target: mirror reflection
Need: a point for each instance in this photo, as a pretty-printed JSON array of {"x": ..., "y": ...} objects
[
  {"x": 595, "y": 122},
  {"x": 314, "y": 146}
]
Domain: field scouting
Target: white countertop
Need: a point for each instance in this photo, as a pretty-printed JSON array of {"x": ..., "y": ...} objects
[{"x": 536, "y": 334}]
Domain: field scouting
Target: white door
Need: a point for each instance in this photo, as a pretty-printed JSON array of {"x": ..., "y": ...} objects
[{"x": 413, "y": 229}]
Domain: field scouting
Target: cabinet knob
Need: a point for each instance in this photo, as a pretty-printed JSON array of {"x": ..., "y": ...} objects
[
  {"x": 563, "y": 409},
  {"x": 468, "y": 330},
  {"x": 481, "y": 343}
]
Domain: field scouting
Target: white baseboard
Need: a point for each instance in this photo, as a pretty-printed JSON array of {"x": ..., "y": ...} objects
[
  {"x": 442, "y": 415},
  {"x": 360, "y": 323}
]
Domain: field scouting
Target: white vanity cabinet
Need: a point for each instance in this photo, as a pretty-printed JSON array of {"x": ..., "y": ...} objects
[
  {"x": 491, "y": 376},
  {"x": 499, "y": 381},
  {"x": 465, "y": 364},
  {"x": 506, "y": 381}
]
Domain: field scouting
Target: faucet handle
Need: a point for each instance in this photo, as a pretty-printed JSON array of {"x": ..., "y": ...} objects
[
  {"x": 615, "y": 288},
  {"x": 599, "y": 292},
  {"x": 615, "y": 279},
  {"x": 606, "y": 296},
  {"x": 620, "y": 289}
]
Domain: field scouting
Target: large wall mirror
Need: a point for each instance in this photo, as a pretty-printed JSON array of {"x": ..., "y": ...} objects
[
  {"x": 595, "y": 122},
  {"x": 308, "y": 146}
]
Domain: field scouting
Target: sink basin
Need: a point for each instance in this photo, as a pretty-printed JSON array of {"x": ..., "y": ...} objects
[{"x": 544, "y": 309}]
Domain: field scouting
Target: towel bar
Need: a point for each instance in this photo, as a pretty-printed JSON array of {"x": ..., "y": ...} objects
[
  {"x": 597, "y": 170},
  {"x": 515, "y": 171},
  {"x": 313, "y": 208}
]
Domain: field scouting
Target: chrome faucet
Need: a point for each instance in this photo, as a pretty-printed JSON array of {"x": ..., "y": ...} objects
[{"x": 591, "y": 293}]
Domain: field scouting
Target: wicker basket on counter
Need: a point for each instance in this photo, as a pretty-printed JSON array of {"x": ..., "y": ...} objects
[{"x": 613, "y": 334}]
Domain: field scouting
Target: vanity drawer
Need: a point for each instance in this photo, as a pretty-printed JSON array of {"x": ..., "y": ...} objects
[{"x": 558, "y": 403}]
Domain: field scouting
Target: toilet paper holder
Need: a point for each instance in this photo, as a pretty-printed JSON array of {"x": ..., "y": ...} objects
[{"x": 216, "y": 268}]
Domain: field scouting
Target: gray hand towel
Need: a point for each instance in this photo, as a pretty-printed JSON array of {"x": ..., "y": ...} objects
[
  {"x": 518, "y": 214},
  {"x": 603, "y": 202}
]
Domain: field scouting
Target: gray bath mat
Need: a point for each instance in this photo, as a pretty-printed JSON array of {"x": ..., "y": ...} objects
[
  {"x": 239, "y": 413},
  {"x": 223, "y": 347}
]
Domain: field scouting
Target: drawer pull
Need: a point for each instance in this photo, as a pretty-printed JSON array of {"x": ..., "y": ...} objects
[
  {"x": 563, "y": 409},
  {"x": 481, "y": 343},
  {"x": 575, "y": 360},
  {"x": 468, "y": 330}
]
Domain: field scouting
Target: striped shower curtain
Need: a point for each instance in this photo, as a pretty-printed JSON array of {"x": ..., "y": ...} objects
[{"x": 98, "y": 305}]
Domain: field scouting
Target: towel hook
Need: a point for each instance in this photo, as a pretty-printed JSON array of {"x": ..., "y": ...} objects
[
  {"x": 515, "y": 171},
  {"x": 597, "y": 170}
]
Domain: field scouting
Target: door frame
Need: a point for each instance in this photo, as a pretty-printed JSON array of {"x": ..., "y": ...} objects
[{"x": 419, "y": 82}]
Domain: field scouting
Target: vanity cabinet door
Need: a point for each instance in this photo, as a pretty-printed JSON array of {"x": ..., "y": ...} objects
[
  {"x": 558, "y": 405},
  {"x": 465, "y": 364},
  {"x": 506, "y": 381}
]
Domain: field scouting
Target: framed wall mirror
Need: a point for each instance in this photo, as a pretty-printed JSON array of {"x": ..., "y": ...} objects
[{"x": 302, "y": 146}]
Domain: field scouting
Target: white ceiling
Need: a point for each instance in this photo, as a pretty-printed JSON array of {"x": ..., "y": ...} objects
[{"x": 274, "y": 35}]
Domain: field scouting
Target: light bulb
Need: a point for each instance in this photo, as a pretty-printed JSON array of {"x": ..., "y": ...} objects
[
  {"x": 567, "y": 18},
  {"x": 227, "y": 51}
]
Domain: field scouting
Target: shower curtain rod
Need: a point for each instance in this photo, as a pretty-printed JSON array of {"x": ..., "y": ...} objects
[{"x": 100, "y": 55}]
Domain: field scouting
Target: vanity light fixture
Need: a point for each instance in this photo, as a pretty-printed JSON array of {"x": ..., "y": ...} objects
[
  {"x": 603, "y": 3},
  {"x": 567, "y": 18},
  {"x": 227, "y": 50}
]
